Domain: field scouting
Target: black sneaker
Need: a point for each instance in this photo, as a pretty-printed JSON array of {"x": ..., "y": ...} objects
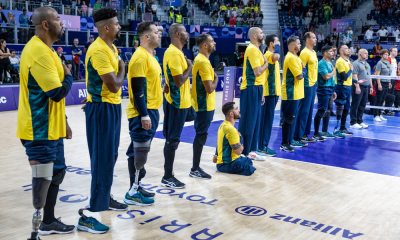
[
  {"x": 56, "y": 227},
  {"x": 286, "y": 148},
  {"x": 117, "y": 206},
  {"x": 307, "y": 139},
  {"x": 199, "y": 173},
  {"x": 301, "y": 141},
  {"x": 172, "y": 183},
  {"x": 346, "y": 132},
  {"x": 146, "y": 193},
  {"x": 318, "y": 138}
]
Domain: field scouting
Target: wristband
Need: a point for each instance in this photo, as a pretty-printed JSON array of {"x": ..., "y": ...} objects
[
  {"x": 146, "y": 118},
  {"x": 354, "y": 81},
  {"x": 277, "y": 49}
]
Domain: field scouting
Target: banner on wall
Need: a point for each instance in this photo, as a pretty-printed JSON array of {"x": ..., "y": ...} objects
[
  {"x": 7, "y": 102},
  {"x": 69, "y": 21},
  {"x": 238, "y": 81},
  {"x": 229, "y": 84},
  {"x": 342, "y": 24},
  {"x": 286, "y": 33}
]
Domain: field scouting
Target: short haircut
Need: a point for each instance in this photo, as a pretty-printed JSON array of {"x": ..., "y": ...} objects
[
  {"x": 390, "y": 50},
  {"x": 104, "y": 13},
  {"x": 383, "y": 51},
  {"x": 307, "y": 35},
  {"x": 202, "y": 38},
  {"x": 340, "y": 47},
  {"x": 292, "y": 39},
  {"x": 143, "y": 28},
  {"x": 270, "y": 39},
  {"x": 12, "y": 50},
  {"x": 227, "y": 108},
  {"x": 326, "y": 48}
]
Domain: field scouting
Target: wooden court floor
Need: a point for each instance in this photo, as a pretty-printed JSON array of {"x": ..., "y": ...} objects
[{"x": 283, "y": 199}]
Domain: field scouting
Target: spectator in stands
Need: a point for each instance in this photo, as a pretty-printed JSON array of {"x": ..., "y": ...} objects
[
  {"x": 73, "y": 6},
  {"x": 10, "y": 24},
  {"x": 384, "y": 8},
  {"x": 84, "y": 8},
  {"x": 178, "y": 17},
  {"x": 227, "y": 19},
  {"x": 307, "y": 19},
  {"x": 62, "y": 57},
  {"x": 67, "y": 7},
  {"x": 245, "y": 20},
  {"x": 4, "y": 60},
  {"x": 350, "y": 31},
  {"x": 346, "y": 38},
  {"x": 320, "y": 39},
  {"x": 240, "y": 10},
  {"x": 215, "y": 8},
  {"x": 91, "y": 40},
  {"x": 258, "y": 21},
  {"x": 232, "y": 21},
  {"x": 252, "y": 18},
  {"x": 154, "y": 8},
  {"x": 377, "y": 9},
  {"x": 78, "y": 7},
  {"x": 184, "y": 11},
  {"x": 97, "y": 6},
  {"x": 239, "y": 20},
  {"x": 14, "y": 59},
  {"x": 147, "y": 8},
  {"x": 215, "y": 18},
  {"x": 76, "y": 53},
  {"x": 396, "y": 33},
  {"x": 300, "y": 22},
  {"x": 382, "y": 32},
  {"x": 281, "y": 5},
  {"x": 346, "y": 6},
  {"x": 229, "y": 9},
  {"x": 23, "y": 20},
  {"x": 90, "y": 10},
  {"x": 369, "y": 34},
  {"x": 390, "y": 7},
  {"x": 328, "y": 41},
  {"x": 195, "y": 51},
  {"x": 354, "y": 50},
  {"x": 221, "y": 20},
  {"x": 339, "y": 5},
  {"x": 393, "y": 66},
  {"x": 377, "y": 48},
  {"x": 122, "y": 56},
  {"x": 358, "y": 49},
  {"x": 155, "y": 55},
  {"x": 223, "y": 8},
  {"x": 171, "y": 15},
  {"x": 335, "y": 37},
  {"x": 135, "y": 46},
  {"x": 3, "y": 17}
]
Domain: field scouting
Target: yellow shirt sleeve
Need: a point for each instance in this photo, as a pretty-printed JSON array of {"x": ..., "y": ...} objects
[
  {"x": 295, "y": 67},
  {"x": 139, "y": 68},
  {"x": 101, "y": 62},
  {"x": 254, "y": 60},
  {"x": 340, "y": 67},
  {"x": 45, "y": 72},
  {"x": 232, "y": 135},
  {"x": 205, "y": 73},
  {"x": 175, "y": 66},
  {"x": 304, "y": 57},
  {"x": 268, "y": 56}
]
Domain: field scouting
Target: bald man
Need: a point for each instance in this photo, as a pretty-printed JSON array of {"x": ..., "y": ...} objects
[
  {"x": 42, "y": 124},
  {"x": 251, "y": 94},
  {"x": 360, "y": 90}
]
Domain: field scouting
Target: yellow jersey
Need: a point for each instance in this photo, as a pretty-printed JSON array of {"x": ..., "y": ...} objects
[
  {"x": 144, "y": 64},
  {"x": 227, "y": 136},
  {"x": 41, "y": 70},
  {"x": 343, "y": 66},
  {"x": 100, "y": 60},
  {"x": 202, "y": 71},
  {"x": 310, "y": 61},
  {"x": 174, "y": 63},
  {"x": 272, "y": 85},
  {"x": 223, "y": 8},
  {"x": 292, "y": 89},
  {"x": 234, "y": 8},
  {"x": 252, "y": 58}
]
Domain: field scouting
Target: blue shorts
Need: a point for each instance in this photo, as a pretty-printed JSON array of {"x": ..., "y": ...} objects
[
  {"x": 45, "y": 151},
  {"x": 203, "y": 121},
  {"x": 324, "y": 95},
  {"x": 241, "y": 166},
  {"x": 290, "y": 106},
  {"x": 174, "y": 120},
  {"x": 343, "y": 96}
]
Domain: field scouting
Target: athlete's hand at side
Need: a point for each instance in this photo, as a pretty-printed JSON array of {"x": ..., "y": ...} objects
[
  {"x": 146, "y": 124},
  {"x": 69, "y": 131},
  {"x": 166, "y": 88},
  {"x": 84, "y": 104},
  {"x": 334, "y": 95},
  {"x": 262, "y": 101}
]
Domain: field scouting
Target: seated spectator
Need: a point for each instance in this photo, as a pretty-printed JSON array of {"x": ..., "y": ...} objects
[
  {"x": 258, "y": 21},
  {"x": 382, "y": 32},
  {"x": 221, "y": 20},
  {"x": 184, "y": 11},
  {"x": 252, "y": 18},
  {"x": 154, "y": 8},
  {"x": 232, "y": 21},
  {"x": 239, "y": 20},
  {"x": 377, "y": 48},
  {"x": 307, "y": 19},
  {"x": 14, "y": 59},
  {"x": 369, "y": 34},
  {"x": 245, "y": 20}
]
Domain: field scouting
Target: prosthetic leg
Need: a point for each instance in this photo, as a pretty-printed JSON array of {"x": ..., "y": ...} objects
[
  {"x": 41, "y": 179},
  {"x": 141, "y": 149}
]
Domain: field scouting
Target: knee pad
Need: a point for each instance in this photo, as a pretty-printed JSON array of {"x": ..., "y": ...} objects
[
  {"x": 321, "y": 113},
  {"x": 201, "y": 139},
  {"x": 58, "y": 178},
  {"x": 289, "y": 119},
  {"x": 172, "y": 144}
]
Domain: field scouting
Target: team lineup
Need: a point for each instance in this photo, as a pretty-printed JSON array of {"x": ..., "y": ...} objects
[{"x": 45, "y": 82}]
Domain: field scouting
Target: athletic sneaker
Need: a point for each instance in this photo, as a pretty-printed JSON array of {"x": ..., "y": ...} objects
[
  {"x": 255, "y": 156},
  {"x": 146, "y": 193},
  {"x": 301, "y": 141},
  {"x": 117, "y": 206},
  {"x": 172, "y": 183},
  {"x": 286, "y": 148},
  {"x": 138, "y": 199},
  {"x": 295, "y": 144},
  {"x": 338, "y": 134},
  {"x": 327, "y": 135},
  {"x": 346, "y": 132},
  {"x": 307, "y": 139},
  {"x": 355, "y": 126},
  {"x": 92, "y": 225},
  {"x": 318, "y": 138},
  {"x": 382, "y": 118},
  {"x": 266, "y": 152},
  {"x": 199, "y": 173},
  {"x": 56, "y": 227},
  {"x": 377, "y": 119},
  {"x": 363, "y": 125}
]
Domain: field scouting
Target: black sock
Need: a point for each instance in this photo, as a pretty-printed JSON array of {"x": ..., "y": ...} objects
[
  {"x": 169, "y": 155},
  {"x": 285, "y": 132},
  {"x": 51, "y": 199},
  {"x": 317, "y": 122},
  {"x": 325, "y": 122},
  {"x": 343, "y": 120},
  {"x": 197, "y": 150}
]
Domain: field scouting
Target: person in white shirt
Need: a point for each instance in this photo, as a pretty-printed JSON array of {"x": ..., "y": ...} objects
[
  {"x": 14, "y": 59},
  {"x": 396, "y": 34},
  {"x": 382, "y": 32},
  {"x": 160, "y": 31},
  {"x": 346, "y": 38},
  {"x": 154, "y": 8},
  {"x": 354, "y": 50},
  {"x": 321, "y": 39},
  {"x": 369, "y": 34},
  {"x": 334, "y": 38},
  {"x": 351, "y": 34},
  {"x": 393, "y": 66}
]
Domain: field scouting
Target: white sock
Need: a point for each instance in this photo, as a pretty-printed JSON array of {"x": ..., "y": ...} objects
[{"x": 133, "y": 189}]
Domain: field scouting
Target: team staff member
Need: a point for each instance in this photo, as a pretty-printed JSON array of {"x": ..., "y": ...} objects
[
  {"x": 42, "y": 125},
  {"x": 176, "y": 71},
  {"x": 272, "y": 91},
  {"x": 204, "y": 83},
  {"x": 104, "y": 77},
  {"x": 309, "y": 59},
  {"x": 251, "y": 93},
  {"x": 145, "y": 97},
  {"x": 292, "y": 92}
]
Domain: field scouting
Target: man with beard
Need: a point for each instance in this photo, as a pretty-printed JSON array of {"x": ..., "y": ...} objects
[
  {"x": 230, "y": 148},
  {"x": 42, "y": 124},
  {"x": 177, "y": 69},
  {"x": 303, "y": 123},
  {"x": 204, "y": 83},
  {"x": 251, "y": 93},
  {"x": 292, "y": 91},
  {"x": 104, "y": 77},
  {"x": 145, "y": 97}
]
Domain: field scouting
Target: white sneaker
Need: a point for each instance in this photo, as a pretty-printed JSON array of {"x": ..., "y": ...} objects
[
  {"x": 377, "y": 119},
  {"x": 363, "y": 125},
  {"x": 255, "y": 156},
  {"x": 356, "y": 126},
  {"x": 382, "y": 118}
]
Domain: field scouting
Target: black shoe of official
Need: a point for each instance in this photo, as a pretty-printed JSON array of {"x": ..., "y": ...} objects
[
  {"x": 172, "y": 183},
  {"x": 117, "y": 206},
  {"x": 301, "y": 141},
  {"x": 318, "y": 137},
  {"x": 346, "y": 132},
  {"x": 307, "y": 139},
  {"x": 199, "y": 173},
  {"x": 286, "y": 148},
  {"x": 56, "y": 227},
  {"x": 146, "y": 193}
]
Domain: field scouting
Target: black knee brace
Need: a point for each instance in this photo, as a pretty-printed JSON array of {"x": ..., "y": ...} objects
[
  {"x": 58, "y": 176},
  {"x": 321, "y": 113},
  {"x": 201, "y": 139},
  {"x": 172, "y": 144},
  {"x": 289, "y": 118},
  {"x": 339, "y": 109}
]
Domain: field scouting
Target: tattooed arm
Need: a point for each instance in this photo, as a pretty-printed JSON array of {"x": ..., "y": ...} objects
[{"x": 237, "y": 148}]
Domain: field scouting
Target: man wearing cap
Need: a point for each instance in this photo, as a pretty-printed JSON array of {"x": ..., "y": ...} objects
[
  {"x": 62, "y": 57},
  {"x": 91, "y": 40}
]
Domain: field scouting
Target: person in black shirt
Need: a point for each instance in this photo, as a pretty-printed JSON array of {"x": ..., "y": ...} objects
[
  {"x": 76, "y": 53},
  {"x": 91, "y": 40}
]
